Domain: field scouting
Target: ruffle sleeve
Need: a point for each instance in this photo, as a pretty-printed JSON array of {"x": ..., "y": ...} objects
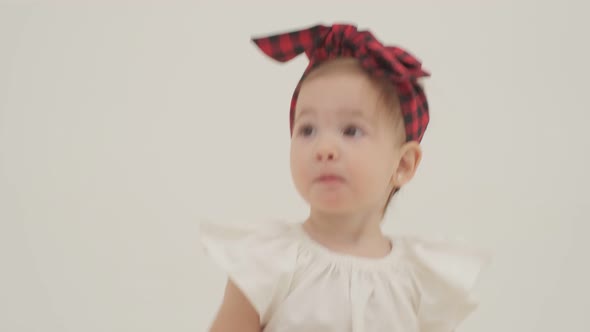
[
  {"x": 260, "y": 259},
  {"x": 445, "y": 274}
]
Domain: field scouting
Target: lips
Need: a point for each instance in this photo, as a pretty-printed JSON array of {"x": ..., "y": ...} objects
[{"x": 330, "y": 178}]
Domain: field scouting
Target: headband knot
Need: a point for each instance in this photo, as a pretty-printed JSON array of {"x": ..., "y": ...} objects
[{"x": 321, "y": 43}]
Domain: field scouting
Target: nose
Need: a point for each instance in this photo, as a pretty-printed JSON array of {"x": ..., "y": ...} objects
[{"x": 326, "y": 151}]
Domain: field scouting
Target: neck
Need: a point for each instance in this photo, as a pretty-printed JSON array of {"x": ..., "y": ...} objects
[{"x": 358, "y": 233}]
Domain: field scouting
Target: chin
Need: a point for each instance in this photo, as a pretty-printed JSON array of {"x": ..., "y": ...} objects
[{"x": 331, "y": 205}]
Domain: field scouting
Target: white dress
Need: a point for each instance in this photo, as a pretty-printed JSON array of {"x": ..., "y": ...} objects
[{"x": 296, "y": 284}]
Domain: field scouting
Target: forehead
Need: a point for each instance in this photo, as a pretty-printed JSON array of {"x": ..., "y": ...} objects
[{"x": 338, "y": 86}]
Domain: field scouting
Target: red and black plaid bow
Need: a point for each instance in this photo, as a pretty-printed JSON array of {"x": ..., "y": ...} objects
[{"x": 321, "y": 43}]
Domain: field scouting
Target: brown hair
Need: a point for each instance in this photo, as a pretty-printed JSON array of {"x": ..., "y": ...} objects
[{"x": 390, "y": 100}]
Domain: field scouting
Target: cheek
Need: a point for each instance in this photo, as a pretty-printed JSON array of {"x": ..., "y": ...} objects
[
  {"x": 298, "y": 162},
  {"x": 371, "y": 170}
]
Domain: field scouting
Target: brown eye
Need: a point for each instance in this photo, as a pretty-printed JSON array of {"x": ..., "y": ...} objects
[
  {"x": 353, "y": 131},
  {"x": 306, "y": 130}
]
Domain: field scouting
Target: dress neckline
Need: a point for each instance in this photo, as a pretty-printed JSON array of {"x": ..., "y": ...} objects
[{"x": 384, "y": 262}]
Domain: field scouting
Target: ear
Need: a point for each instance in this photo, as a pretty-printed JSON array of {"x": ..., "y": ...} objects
[{"x": 410, "y": 157}]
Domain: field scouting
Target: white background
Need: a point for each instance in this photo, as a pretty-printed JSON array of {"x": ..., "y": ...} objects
[{"x": 123, "y": 126}]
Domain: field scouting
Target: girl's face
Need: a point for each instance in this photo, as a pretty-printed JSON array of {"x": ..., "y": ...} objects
[{"x": 345, "y": 146}]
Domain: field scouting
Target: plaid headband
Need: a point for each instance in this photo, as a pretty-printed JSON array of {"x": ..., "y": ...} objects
[{"x": 321, "y": 43}]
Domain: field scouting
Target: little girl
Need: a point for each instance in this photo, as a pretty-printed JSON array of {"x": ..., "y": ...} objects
[{"x": 357, "y": 118}]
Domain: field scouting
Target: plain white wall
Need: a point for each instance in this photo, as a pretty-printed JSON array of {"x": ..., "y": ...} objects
[{"x": 123, "y": 126}]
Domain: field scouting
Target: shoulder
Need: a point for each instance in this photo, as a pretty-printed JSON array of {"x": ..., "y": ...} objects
[
  {"x": 259, "y": 259},
  {"x": 445, "y": 273},
  {"x": 263, "y": 244}
]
